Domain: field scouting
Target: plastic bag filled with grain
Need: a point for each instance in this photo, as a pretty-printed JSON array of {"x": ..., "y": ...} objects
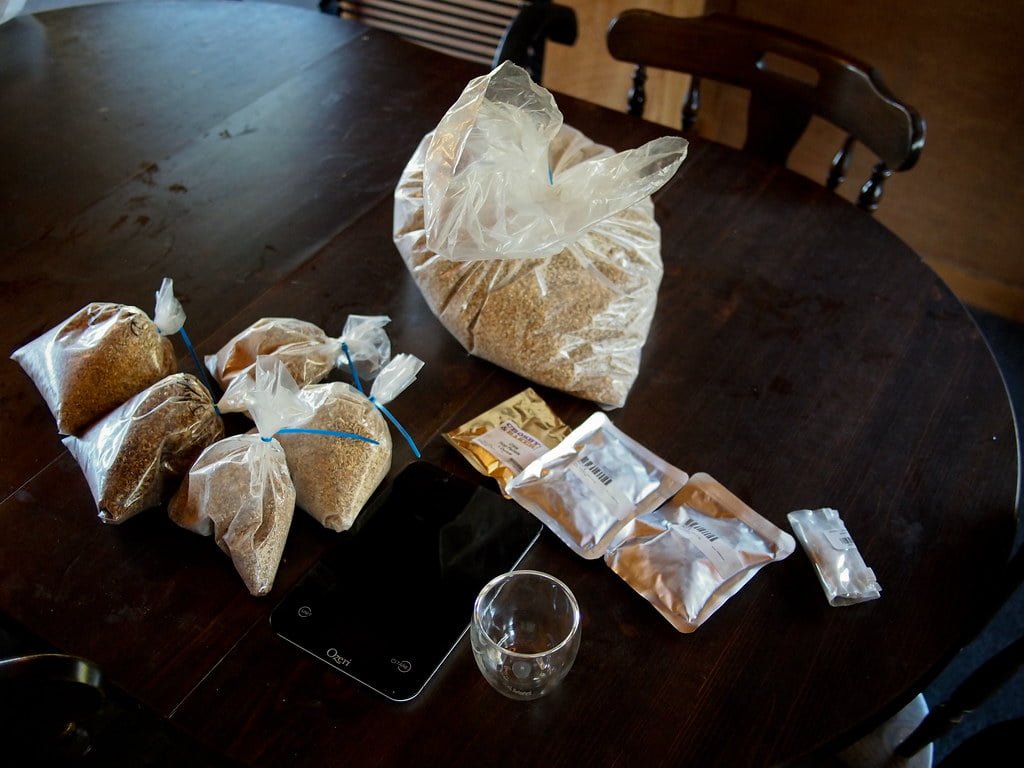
[
  {"x": 101, "y": 356},
  {"x": 306, "y": 349},
  {"x": 535, "y": 247},
  {"x": 239, "y": 489},
  {"x": 335, "y": 476},
  {"x": 134, "y": 457}
]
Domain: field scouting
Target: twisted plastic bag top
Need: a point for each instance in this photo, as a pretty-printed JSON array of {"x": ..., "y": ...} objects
[
  {"x": 272, "y": 399},
  {"x": 169, "y": 315},
  {"x": 368, "y": 343},
  {"x": 395, "y": 378},
  {"x": 488, "y": 188}
]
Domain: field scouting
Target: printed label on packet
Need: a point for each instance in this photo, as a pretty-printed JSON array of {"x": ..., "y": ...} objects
[
  {"x": 599, "y": 481},
  {"x": 511, "y": 445},
  {"x": 840, "y": 538},
  {"x": 723, "y": 557}
]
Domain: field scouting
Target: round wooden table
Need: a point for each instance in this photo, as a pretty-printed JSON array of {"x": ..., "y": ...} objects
[{"x": 801, "y": 354}]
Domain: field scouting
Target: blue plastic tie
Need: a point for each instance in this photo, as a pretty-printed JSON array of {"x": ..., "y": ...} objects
[
  {"x": 199, "y": 366},
  {"x": 381, "y": 408},
  {"x": 399, "y": 427},
  {"x": 352, "y": 435},
  {"x": 352, "y": 368}
]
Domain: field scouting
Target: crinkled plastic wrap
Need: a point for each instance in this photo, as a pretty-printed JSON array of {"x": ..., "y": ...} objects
[
  {"x": 306, "y": 349},
  {"x": 240, "y": 490},
  {"x": 844, "y": 576},
  {"x": 94, "y": 361},
  {"x": 504, "y": 440},
  {"x": 694, "y": 553},
  {"x": 593, "y": 483},
  {"x": 535, "y": 247},
  {"x": 134, "y": 457}
]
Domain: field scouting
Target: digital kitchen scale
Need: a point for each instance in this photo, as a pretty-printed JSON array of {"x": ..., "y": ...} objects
[{"x": 389, "y": 603}]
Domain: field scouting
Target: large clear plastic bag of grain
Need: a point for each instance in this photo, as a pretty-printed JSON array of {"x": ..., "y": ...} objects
[
  {"x": 239, "y": 489},
  {"x": 134, "y": 457},
  {"x": 335, "y": 476},
  {"x": 101, "y": 356},
  {"x": 535, "y": 247},
  {"x": 306, "y": 349}
]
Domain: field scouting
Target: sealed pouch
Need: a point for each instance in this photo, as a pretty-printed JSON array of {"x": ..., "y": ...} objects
[
  {"x": 694, "y": 553},
  {"x": 134, "y": 456},
  {"x": 535, "y": 247},
  {"x": 593, "y": 483},
  {"x": 334, "y": 477},
  {"x": 239, "y": 488},
  {"x": 97, "y": 359},
  {"x": 501, "y": 442},
  {"x": 305, "y": 349},
  {"x": 843, "y": 574}
]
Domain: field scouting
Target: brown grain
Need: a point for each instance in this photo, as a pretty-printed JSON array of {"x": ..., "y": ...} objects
[
  {"x": 134, "y": 456},
  {"x": 94, "y": 361},
  {"x": 334, "y": 476}
]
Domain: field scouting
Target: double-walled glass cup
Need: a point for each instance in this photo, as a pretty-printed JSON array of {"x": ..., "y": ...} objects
[{"x": 525, "y": 633}]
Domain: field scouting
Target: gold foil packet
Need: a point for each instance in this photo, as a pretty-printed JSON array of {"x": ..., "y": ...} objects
[{"x": 500, "y": 442}]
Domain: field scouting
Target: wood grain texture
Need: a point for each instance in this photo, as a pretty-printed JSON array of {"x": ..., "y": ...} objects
[{"x": 801, "y": 354}]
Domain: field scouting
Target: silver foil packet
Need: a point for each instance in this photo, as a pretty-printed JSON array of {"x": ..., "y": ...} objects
[
  {"x": 593, "y": 483},
  {"x": 695, "y": 552},
  {"x": 841, "y": 570}
]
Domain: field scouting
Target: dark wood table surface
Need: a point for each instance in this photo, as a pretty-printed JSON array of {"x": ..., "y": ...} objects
[{"x": 801, "y": 354}]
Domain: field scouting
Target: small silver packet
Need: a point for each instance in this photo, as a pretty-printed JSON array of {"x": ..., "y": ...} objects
[
  {"x": 844, "y": 576},
  {"x": 593, "y": 483},
  {"x": 695, "y": 552}
]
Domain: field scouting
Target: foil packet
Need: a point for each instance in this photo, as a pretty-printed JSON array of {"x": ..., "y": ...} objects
[
  {"x": 503, "y": 441},
  {"x": 843, "y": 574},
  {"x": 690, "y": 556},
  {"x": 593, "y": 483}
]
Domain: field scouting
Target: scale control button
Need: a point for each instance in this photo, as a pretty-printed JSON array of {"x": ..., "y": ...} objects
[
  {"x": 402, "y": 665},
  {"x": 305, "y": 611}
]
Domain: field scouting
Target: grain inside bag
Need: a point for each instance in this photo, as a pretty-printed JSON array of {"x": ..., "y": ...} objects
[
  {"x": 134, "y": 457},
  {"x": 239, "y": 489},
  {"x": 95, "y": 360},
  {"x": 535, "y": 247}
]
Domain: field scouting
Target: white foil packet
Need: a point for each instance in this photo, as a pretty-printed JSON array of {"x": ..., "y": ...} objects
[
  {"x": 843, "y": 574},
  {"x": 593, "y": 483},
  {"x": 695, "y": 552}
]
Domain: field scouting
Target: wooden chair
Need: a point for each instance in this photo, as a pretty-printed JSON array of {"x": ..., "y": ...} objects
[
  {"x": 485, "y": 31},
  {"x": 790, "y": 79}
]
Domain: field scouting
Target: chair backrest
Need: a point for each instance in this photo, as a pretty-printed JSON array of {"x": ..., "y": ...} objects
[
  {"x": 790, "y": 78},
  {"x": 485, "y": 31}
]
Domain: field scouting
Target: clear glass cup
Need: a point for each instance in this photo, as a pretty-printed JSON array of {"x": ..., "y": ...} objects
[{"x": 525, "y": 633}]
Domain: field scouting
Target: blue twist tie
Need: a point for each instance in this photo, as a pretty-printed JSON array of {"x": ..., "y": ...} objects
[
  {"x": 378, "y": 406},
  {"x": 399, "y": 427},
  {"x": 199, "y": 366},
  {"x": 351, "y": 435},
  {"x": 352, "y": 368}
]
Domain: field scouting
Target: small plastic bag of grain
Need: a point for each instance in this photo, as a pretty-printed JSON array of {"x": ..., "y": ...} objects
[
  {"x": 501, "y": 442},
  {"x": 134, "y": 456},
  {"x": 694, "y": 553},
  {"x": 844, "y": 576},
  {"x": 535, "y": 247},
  {"x": 306, "y": 349},
  {"x": 593, "y": 483},
  {"x": 100, "y": 357},
  {"x": 239, "y": 488},
  {"x": 335, "y": 476}
]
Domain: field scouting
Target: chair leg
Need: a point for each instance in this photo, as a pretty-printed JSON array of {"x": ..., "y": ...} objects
[
  {"x": 692, "y": 104},
  {"x": 637, "y": 95}
]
